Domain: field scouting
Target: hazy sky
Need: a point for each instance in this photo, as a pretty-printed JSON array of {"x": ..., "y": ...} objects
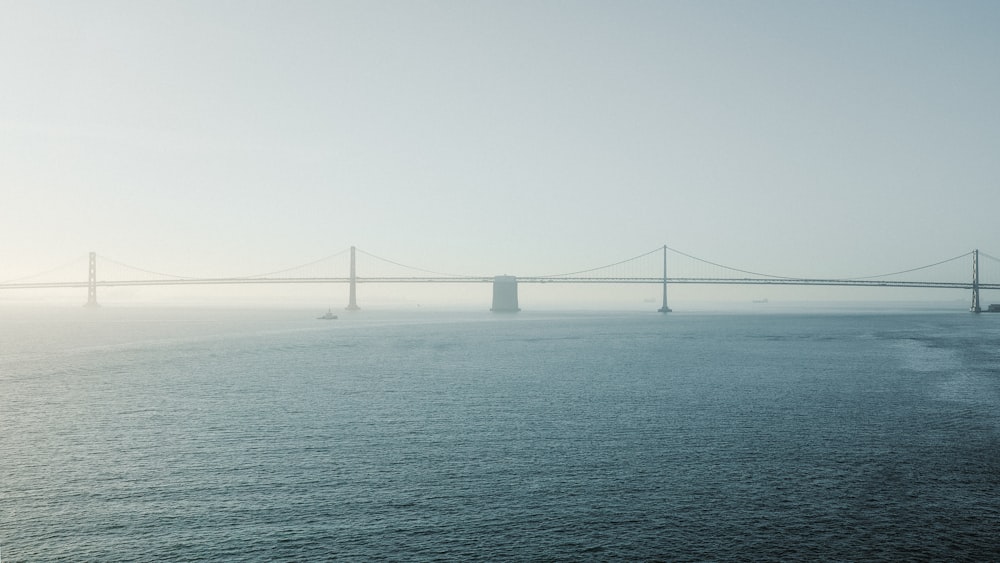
[{"x": 233, "y": 137}]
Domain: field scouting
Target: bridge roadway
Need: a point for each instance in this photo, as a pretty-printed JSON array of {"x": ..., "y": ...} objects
[
  {"x": 520, "y": 280},
  {"x": 505, "y": 287}
]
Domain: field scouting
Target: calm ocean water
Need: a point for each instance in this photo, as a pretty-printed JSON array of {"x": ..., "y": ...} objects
[{"x": 166, "y": 435}]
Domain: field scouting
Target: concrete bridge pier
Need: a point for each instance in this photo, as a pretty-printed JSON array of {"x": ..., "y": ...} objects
[{"x": 505, "y": 294}]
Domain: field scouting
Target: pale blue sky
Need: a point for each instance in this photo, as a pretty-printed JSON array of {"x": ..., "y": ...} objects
[{"x": 233, "y": 137}]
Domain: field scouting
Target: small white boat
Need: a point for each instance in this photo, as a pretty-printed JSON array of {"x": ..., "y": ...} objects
[{"x": 328, "y": 316}]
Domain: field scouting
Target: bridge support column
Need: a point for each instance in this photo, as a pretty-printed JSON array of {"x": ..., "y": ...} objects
[
  {"x": 664, "y": 308},
  {"x": 505, "y": 294},
  {"x": 352, "y": 303},
  {"x": 92, "y": 282},
  {"x": 975, "y": 308}
]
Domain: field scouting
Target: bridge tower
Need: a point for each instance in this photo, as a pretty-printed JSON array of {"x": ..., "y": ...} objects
[
  {"x": 975, "y": 282},
  {"x": 352, "y": 304},
  {"x": 92, "y": 282},
  {"x": 664, "y": 308}
]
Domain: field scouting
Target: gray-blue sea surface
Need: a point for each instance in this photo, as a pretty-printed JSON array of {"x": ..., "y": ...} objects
[{"x": 165, "y": 435}]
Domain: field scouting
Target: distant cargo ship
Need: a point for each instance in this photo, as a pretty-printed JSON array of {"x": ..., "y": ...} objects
[{"x": 994, "y": 308}]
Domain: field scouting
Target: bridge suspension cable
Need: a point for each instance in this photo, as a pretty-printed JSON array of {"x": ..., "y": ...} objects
[
  {"x": 151, "y": 272},
  {"x": 589, "y": 270},
  {"x": 772, "y": 276},
  {"x": 394, "y": 263},
  {"x": 966, "y": 255},
  {"x": 717, "y": 265},
  {"x": 739, "y": 270},
  {"x": 74, "y": 262},
  {"x": 300, "y": 266}
]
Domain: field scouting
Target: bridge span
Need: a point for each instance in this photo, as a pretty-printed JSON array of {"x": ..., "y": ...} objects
[{"x": 505, "y": 294}]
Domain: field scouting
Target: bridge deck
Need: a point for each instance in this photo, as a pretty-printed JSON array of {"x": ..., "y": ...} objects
[{"x": 520, "y": 280}]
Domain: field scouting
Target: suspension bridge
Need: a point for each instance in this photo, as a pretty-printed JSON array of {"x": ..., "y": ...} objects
[{"x": 354, "y": 267}]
